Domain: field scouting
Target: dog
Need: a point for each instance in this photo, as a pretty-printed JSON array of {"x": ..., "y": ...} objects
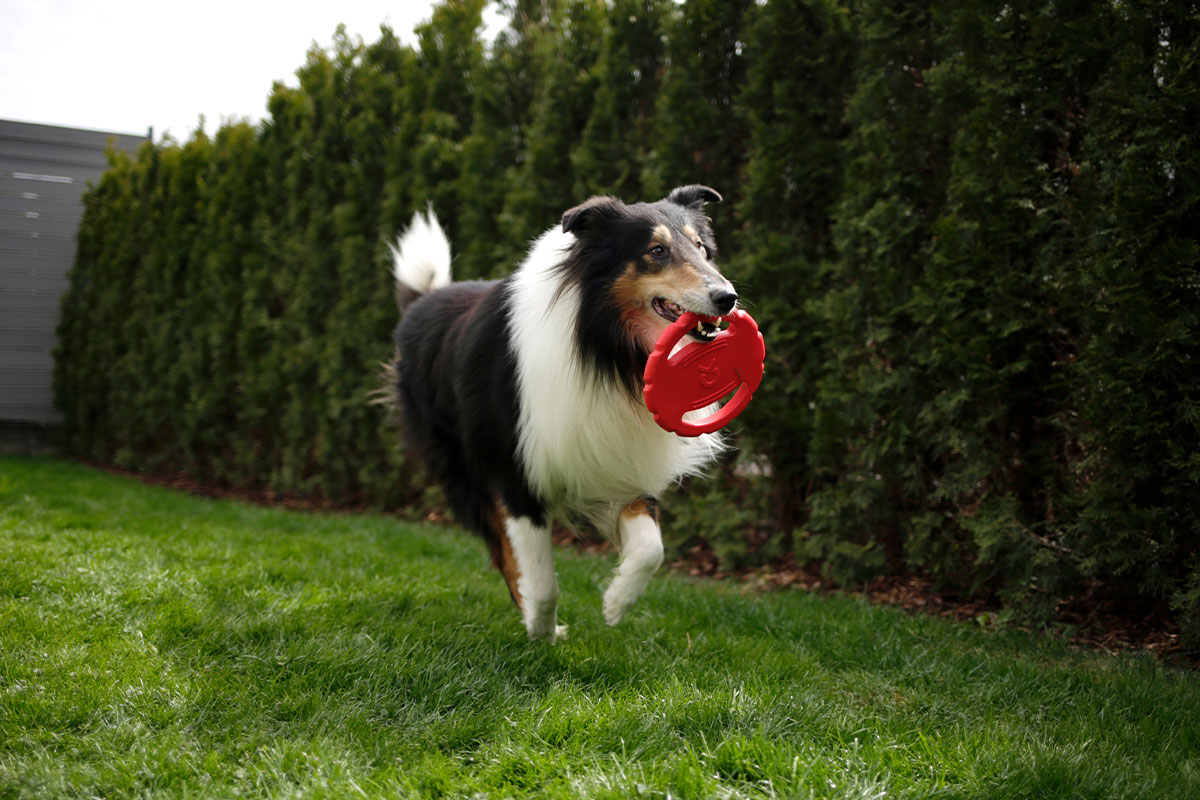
[{"x": 523, "y": 396}]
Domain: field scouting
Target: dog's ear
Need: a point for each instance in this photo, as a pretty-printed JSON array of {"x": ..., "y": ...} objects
[
  {"x": 694, "y": 196},
  {"x": 592, "y": 215}
]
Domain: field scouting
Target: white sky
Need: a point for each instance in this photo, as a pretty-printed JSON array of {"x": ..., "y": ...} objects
[{"x": 128, "y": 65}]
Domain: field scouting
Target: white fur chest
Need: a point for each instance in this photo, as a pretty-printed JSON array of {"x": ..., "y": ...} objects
[{"x": 586, "y": 443}]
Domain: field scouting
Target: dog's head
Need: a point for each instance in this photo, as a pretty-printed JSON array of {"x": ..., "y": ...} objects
[{"x": 650, "y": 262}]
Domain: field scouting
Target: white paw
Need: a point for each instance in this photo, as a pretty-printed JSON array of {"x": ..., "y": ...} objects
[
  {"x": 548, "y": 633},
  {"x": 614, "y": 609}
]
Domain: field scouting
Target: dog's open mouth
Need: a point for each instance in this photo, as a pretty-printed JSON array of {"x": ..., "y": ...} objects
[{"x": 706, "y": 328}]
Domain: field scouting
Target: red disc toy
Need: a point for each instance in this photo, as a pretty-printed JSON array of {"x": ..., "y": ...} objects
[{"x": 702, "y": 373}]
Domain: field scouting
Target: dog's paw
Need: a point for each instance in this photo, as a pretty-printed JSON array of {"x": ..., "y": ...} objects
[
  {"x": 619, "y": 598},
  {"x": 549, "y": 634},
  {"x": 614, "y": 610}
]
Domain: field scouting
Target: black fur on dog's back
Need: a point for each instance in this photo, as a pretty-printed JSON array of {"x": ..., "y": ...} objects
[{"x": 458, "y": 398}]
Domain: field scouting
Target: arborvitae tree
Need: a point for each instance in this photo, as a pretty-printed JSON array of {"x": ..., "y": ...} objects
[
  {"x": 796, "y": 88},
  {"x": 106, "y": 260},
  {"x": 208, "y": 317},
  {"x": 350, "y": 443},
  {"x": 491, "y": 154},
  {"x": 987, "y": 300},
  {"x": 308, "y": 273},
  {"x": 544, "y": 185},
  {"x": 1136, "y": 369},
  {"x": 406, "y": 98},
  {"x": 156, "y": 392},
  {"x": 893, "y": 185},
  {"x": 616, "y": 140},
  {"x": 450, "y": 52},
  {"x": 698, "y": 135},
  {"x": 264, "y": 285}
]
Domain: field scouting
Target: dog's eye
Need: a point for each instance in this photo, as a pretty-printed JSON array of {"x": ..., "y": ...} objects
[
  {"x": 658, "y": 251},
  {"x": 703, "y": 248}
]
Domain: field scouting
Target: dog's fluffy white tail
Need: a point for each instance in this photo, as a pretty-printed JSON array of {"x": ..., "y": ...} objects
[{"x": 421, "y": 258}]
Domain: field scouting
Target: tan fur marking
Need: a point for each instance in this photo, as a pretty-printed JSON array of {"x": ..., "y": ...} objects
[
  {"x": 626, "y": 290},
  {"x": 638, "y": 508},
  {"x": 691, "y": 233},
  {"x": 502, "y": 552},
  {"x": 670, "y": 282},
  {"x": 633, "y": 292},
  {"x": 662, "y": 234}
]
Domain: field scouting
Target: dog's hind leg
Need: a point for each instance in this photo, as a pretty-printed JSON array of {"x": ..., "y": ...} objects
[
  {"x": 536, "y": 590},
  {"x": 503, "y": 558},
  {"x": 641, "y": 554}
]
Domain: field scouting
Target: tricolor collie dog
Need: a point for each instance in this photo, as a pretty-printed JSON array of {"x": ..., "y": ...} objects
[{"x": 523, "y": 396}]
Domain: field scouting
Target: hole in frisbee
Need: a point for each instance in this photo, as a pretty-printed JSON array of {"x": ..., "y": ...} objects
[{"x": 699, "y": 415}]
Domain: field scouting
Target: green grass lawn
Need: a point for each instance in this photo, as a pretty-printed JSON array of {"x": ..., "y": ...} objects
[{"x": 154, "y": 644}]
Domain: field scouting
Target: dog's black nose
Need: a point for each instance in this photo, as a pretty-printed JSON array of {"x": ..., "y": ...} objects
[{"x": 723, "y": 299}]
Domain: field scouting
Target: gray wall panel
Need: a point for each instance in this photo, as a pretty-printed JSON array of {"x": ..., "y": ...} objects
[{"x": 44, "y": 171}]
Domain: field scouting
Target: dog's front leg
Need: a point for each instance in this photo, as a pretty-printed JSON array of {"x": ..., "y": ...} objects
[
  {"x": 537, "y": 585},
  {"x": 641, "y": 554}
]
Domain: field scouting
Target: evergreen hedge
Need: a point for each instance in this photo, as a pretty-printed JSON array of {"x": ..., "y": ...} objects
[{"x": 968, "y": 230}]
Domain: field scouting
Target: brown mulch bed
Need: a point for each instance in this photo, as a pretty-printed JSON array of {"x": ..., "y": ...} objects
[
  {"x": 1092, "y": 620},
  {"x": 248, "y": 494}
]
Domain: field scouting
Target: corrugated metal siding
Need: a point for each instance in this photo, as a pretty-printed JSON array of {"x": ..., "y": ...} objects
[{"x": 44, "y": 171}]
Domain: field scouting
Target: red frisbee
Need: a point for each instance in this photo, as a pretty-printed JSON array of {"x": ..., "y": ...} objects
[{"x": 702, "y": 373}]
